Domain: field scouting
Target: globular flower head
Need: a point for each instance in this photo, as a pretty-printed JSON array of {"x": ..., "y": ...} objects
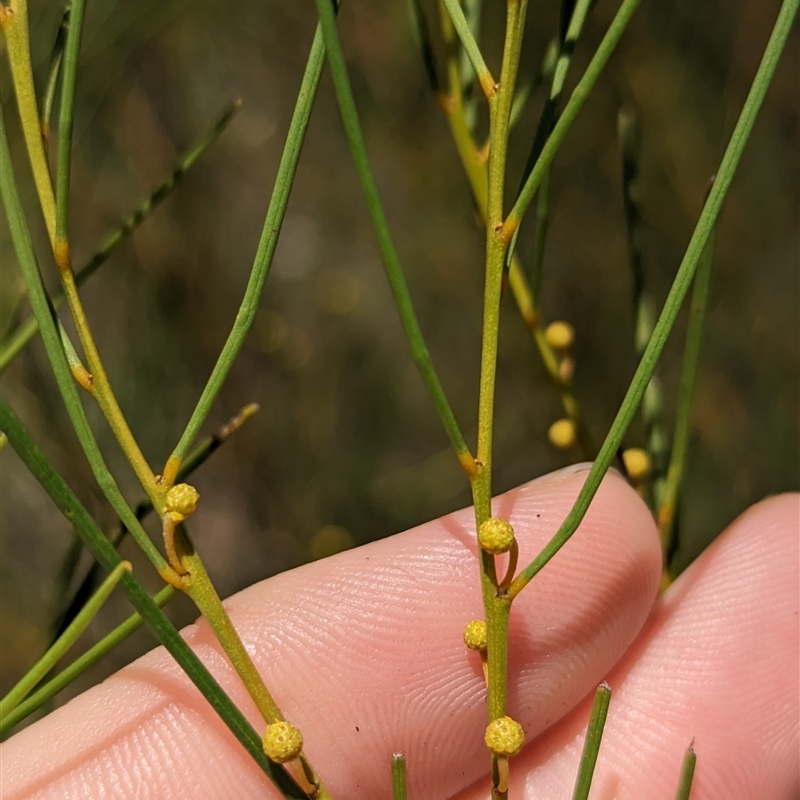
[
  {"x": 560, "y": 335},
  {"x": 562, "y": 434},
  {"x": 637, "y": 462},
  {"x": 475, "y": 635},
  {"x": 182, "y": 499},
  {"x": 282, "y": 742},
  {"x": 496, "y": 536},
  {"x": 504, "y": 737}
]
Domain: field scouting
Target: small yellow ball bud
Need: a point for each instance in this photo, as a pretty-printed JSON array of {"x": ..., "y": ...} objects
[
  {"x": 559, "y": 335},
  {"x": 496, "y": 536},
  {"x": 504, "y": 737},
  {"x": 562, "y": 434},
  {"x": 282, "y": 742},
  {"x": 475, "y": 635},
  {"x": 637, "y": 463},
  {"x": 182, "y": 499}
]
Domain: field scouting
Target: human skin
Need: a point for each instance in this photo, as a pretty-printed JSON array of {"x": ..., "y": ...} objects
[{"x": 363, "y": 652}]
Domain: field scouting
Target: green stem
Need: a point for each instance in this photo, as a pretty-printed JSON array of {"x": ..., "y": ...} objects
[
  {"x": 264, "y": 255},
  {"x": 591, "y": 745},
  {"x": 496, "y": 606},
  {"x": 687, "y": 774},
  {"x": 199, "y": 587},
  {"x": 66, "y": 116},
  {"x": 680, "y": 286},
  {"x": 399, "y": 791},
  {"x": 394, "y": 271},
  {"x": 92, "y": 656},
  {"x": 56, "y": 59},
  {"x": 691, "y": 362},
  {"x": 46, "y": 663},
  {"x": 578, "y": 97},
  {"x": 164, "y": 630},
  {"x": 14, "y": 24},
  {"x": 470, "y": 46}
]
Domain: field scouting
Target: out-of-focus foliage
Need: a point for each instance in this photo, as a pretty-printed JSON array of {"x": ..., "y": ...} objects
[{"x": 347, "y": 447}]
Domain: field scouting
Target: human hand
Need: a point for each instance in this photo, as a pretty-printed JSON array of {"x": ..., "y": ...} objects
[{"x": 363, "y": 652}]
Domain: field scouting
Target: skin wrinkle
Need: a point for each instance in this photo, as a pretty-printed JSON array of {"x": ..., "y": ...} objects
[{"x": 325, "y": 696}]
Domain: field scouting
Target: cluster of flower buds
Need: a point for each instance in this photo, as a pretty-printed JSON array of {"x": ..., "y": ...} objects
[{"x": 560, "y": 336}]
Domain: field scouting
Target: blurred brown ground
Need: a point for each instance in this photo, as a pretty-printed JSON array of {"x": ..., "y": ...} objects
[{"x": 347, "y": 436}]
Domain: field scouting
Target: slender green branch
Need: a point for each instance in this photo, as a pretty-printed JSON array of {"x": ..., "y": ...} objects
[
  {"x": 59, "y": 648},
  {"x": 667, "y": 507},
  {"x": 28, "y": 329},
  {"x": 264, "y": 255},
  {"x": 164, "y": 630},
  {"x": 680, "y": 286},
  {"x": 573, "y": 106},
  {"x": 79, "y": 666},
  {"x": 473, "y": 10},
  {"x": 470, "y": 46},
  {"x": 66, "y": 116},
  {"x": 391, "y": 260},
  {"x": 591, "y": 745},
  {"x": 687, "y": 774},
  {"x": 55, "y": 353},
  {"x": 399, "y": 791},
  {"x": 56, "y": 58}
]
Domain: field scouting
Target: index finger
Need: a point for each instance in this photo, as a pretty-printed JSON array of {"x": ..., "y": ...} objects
[{"x": 364, "y": 653}]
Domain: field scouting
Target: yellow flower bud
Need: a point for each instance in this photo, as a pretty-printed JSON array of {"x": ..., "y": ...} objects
[
  {"x": 282, "y": 742},
  {"x": 559, "y": 335},
  {"x": 496, "y": 536},
  {"x": 637, "y": 463},
  {"x": 475, "y": 635},
  {"x": 504, "y": 737},
  {"x": 182, "y": 499},
  {"x": 562, "y": 434}
]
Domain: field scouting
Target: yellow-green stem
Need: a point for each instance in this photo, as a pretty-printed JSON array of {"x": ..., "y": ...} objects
[
  {"x": 496, "y": 605},
  {"x": 101, "y": 386},
  {"x": 201, "y": 590},
  {"x": 14, "y": 23}
]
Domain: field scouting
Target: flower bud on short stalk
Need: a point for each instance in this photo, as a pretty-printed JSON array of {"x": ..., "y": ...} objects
[
  {"x": 504, "y": 737},
  {"x": 182, "y": 500},
  {"x": 560, "y": 335},
  {"x": 562, "y": 434},
  {"x": 282, "y": 742},
  {"x": 475, "y": 635},
  {"x": 476, "y": 638},
  {"x": 637, "y": 463},
  {"x": 496, "y": 536}
]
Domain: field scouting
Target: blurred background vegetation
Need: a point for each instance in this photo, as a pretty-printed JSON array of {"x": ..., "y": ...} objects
[{"x": 347, "y": 447}]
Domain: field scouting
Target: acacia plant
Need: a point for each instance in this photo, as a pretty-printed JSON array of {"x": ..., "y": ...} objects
[{"x": 482, "y": 103}]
